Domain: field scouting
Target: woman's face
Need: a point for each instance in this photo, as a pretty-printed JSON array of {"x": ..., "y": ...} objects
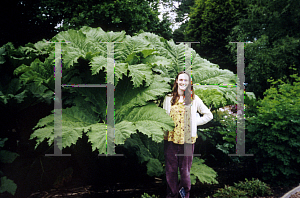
[{"x": 183, "y": 81}]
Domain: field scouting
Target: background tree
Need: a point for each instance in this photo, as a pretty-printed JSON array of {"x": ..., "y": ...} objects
[
  {"x": 210, "y": 23},
  {"x": 182, "y": 11},
  {"x": 22, "y": 22},
  {"x": 273, "y": 27},
  {"x": 178, "y": 34},
  {"x": 33, "y": 20},
  {"x": 181, "y": 7}
]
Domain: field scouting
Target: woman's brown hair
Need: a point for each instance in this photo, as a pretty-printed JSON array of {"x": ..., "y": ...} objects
[{"x": 175, "y": 89}]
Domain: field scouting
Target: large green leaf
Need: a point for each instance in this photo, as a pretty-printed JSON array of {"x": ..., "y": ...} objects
[
  {"x": 7, "y": 156},
  {"x": 79, "y": 46},
  {"x": 140, "y": 73},
  {"x": 154, "y": 167},
  {"x": 99, "y": 63},
  {"x": 95, "y": 97},
  {"x": 201, "y": 171},
  {"x": 123, "y": 130},
  {"x": 126, "y": 97},
  {"x": 158, "y": 61},
  {"x": 97, "y": 136},
  {"x": 151, "y": 121},
  {"x": 176, "y": 53},
  {"x": 99, "y": 35},
  {"x": 13, "y": 92},
  {"x": 98, "y": 133},
  {"x": 38, "y": 78},
  {"x": 211, "y": 96},
  {"x": 155, "y": 41},
  {"x": 147, "y": 151},
  {"x": 130, "y": 46},
  {"x": 41, "y": 92},
  {"x": 37, "y": 49},
  {"x": 8, "y": 185},
  {"x": 120, "y": 70},
  {"x": 75, "y": 121}
]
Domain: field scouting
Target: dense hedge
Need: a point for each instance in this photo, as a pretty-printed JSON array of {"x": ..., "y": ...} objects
[{"x": 273, "y": 134}]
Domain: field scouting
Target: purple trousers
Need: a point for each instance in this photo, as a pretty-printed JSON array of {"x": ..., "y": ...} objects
[{"x": 174, "y": 162}]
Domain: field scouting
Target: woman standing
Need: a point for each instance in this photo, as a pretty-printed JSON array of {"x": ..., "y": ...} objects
[{"x": 174, "y": 140}]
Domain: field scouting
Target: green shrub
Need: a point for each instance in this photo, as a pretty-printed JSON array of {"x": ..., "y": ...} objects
[
  {"x": 146, "y": 195},
  {"x": 228, "y": 132},
  {"x": 254, "y": 187},
  {"x": 230, "y": 192},
  {"x": 273, "y": 134},
  {"x": 6, "y": 185},
  {"x": 245, "y": 189},
  {"x": 221, "y": 136}
]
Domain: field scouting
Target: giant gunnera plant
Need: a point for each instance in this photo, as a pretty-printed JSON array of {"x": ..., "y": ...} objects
[{"x": 145, "y": 66}]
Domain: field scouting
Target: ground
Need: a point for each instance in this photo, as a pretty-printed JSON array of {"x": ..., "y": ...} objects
[{"x": 226, "y": 176}]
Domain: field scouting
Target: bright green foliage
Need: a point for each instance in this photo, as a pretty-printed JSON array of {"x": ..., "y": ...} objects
[
  {"x": 245, "y": 189},
  {"x": 146, "y": 195},
  {"x": 75, "y": 120},
  {"x": 225, "y": 123},
  {"x": 7, "y": 185},
  {"x": 216, "y": 96},
  {"x": 201, "y": 171},
  {"x": 219, "y": 96},
  {"x": 145, "y": 67},
  {"x": 274, "y": 133},
  {"x": 148, "y": 120},
  {"x": 227, "y": 130},
  {"x": 254, "y": 187},
  {"x": 220, "y": 135},
  {"x": 230, "y": 192}
]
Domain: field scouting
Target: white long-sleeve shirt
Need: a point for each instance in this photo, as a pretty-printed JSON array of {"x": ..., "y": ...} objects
[{"x": 197, "y": 105}]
